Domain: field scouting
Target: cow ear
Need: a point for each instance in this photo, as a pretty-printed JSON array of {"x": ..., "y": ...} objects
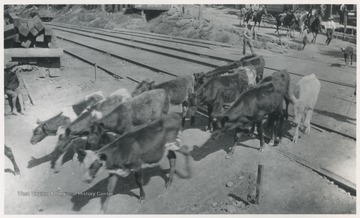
[
  {"x": 103, "y": 157},
  {"x": 342, "y": 49}
]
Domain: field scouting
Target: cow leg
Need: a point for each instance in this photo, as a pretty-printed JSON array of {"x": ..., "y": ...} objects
[
  {"x": 277, "y": 129},
  {"x": 260, "y": 133},
  {"x": 351, "y": 59},
  {"x": 210, "y": 110},
  {"x": 139, "y": 182},
  {"x": 236, "y": 139},
  {"x": 185, "y": 107},
  {"x": 296, "y": 135},
  {"x": 252, "y": 130},
  {"x": 112, "y": 180},
  {"x": 10, "y": 155},
  {"x": 309, "y": 113},
  {"x": 172, "y": 160},
  {"x": 192, "y": 120}
]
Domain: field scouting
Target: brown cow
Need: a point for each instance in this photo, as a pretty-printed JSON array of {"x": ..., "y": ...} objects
[
  {"x": 177, "y": 90},
  {"x": 253, "y": 105},
  {"x": 141, "y": 148}
]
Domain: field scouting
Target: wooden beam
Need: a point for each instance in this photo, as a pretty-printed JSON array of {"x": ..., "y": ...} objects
[
  {"x": 38, "y": 23},
  {"x": 25, "y": 44},
  {"x": 338, "y": 180},
  {"x": 23, "y": 30},
  {"x": 9, "y": 31},
  {"x": 34, "y": 52}
]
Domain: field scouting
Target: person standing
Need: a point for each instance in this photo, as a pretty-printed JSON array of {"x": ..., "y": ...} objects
[
  {"x": 341, "y": 13},
  {"x": 12, "y": 88},
  {"x": 330, "y": 28},
  {"x": 248, "y": 34}
]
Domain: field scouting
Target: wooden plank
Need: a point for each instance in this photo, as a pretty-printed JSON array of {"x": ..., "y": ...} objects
[
  {"x": 9, "y": 31},
  {"x": 23, "y": 30},
  {"x": 26, "y": 44},
  {"x": 34, "y": 52},
  {"x": 40, "y": 38},
  {"x": 30, "y": 23},
  {"x": 34, "y": 31},
  {"x": 259, "y": 183},
  {"x": 48, "y": 31},
  {"x": 38, "y": 23},
  {"x": 16, "y": 39},
  {"x": 341, "y": 182}
]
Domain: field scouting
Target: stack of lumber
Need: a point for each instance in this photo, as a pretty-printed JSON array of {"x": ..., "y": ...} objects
[
  {"x": 29, "y": 41},
  {"x": 30, "y": 33}
]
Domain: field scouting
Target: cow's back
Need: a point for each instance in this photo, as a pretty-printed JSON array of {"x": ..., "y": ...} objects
[
  {"x": 101, "y": 109},
  {"x": 178, "y": 89},
  {"x": 136, "y": 111},
  {"x": 88, "y": 101},
  {"x": 144, "y": 143},
  {"x": 147, "y": 106}
]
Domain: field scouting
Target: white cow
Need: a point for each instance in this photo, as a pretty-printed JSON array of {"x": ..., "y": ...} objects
[{"x": 304, "y": 97}]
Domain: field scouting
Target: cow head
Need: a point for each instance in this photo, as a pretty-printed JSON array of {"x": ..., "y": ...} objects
[
  {"x": 64, "y": 140},
  {"x": 96, "y": 133},
  {"x": 192, "y": 105},
  {"x": 219, "y": 123},
  {"x": 92, "y": 163},
  {"x": 199, "y": 79},
  {"x": 143, "y": 86},
  {"x": 39, "y": 133}
]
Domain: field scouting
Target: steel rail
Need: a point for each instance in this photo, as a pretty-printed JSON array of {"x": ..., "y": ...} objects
[{"x": 197, "y": 61}]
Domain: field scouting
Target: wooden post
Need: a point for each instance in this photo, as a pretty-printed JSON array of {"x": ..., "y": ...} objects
[
  {"x": 331, "y": 10},
  {"x": 95, "y": 70},
  {"x": 258, "y": 183},
  {"x": 27, "y": 89},
  {"x": 345, "y": 22},
  {"x": 200, "y": 14}
]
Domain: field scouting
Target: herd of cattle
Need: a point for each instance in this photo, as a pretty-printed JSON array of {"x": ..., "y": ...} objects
[{"x": 123, "y": 132}]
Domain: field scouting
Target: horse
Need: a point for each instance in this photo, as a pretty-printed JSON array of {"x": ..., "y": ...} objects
[
  {"x": 288, "y": 20},
  {"x": 256, "y": 16},
  {"x": 315, "y": 27},
  {"x": 302, "y": 18}
]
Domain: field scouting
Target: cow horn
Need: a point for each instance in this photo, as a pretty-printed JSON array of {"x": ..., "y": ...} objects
[{"x": 38, "y": 121}]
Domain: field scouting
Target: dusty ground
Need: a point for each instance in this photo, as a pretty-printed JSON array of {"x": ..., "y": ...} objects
[{"x": 217, "y": 185}]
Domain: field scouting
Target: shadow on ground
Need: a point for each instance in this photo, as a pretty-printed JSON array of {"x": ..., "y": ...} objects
[{"x": 123, "y": 186}]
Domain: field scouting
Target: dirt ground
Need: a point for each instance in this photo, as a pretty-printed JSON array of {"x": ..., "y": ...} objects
[{"x": 217, "y": 185}]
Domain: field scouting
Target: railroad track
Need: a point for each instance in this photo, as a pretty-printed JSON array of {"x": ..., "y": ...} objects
[
  {"x": 79, "y": 30},
  {"x": 197, "y": 58}
]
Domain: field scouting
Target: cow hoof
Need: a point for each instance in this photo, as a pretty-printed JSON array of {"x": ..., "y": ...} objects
[
  {"x": 17, "y": 173},
  {"x": 228, "y": 156},
  {"x": 168, "y": 184},
  {"x": 261, "y": 149},
  {"x": 141, "y": 200}
]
